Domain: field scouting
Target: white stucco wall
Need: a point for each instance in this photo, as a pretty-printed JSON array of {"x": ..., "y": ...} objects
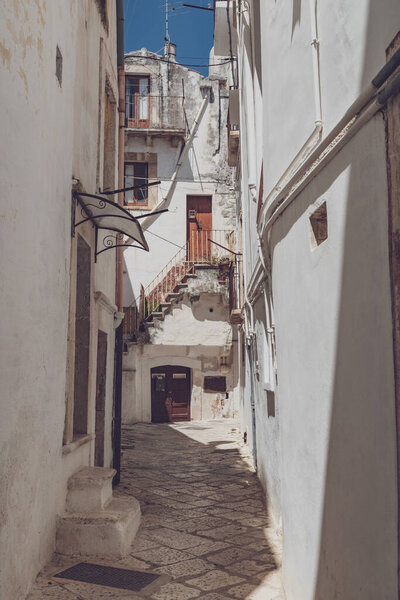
[
  {"x": 337, "y": 404},
  {"x": 328, "y": 458},
  {"x": 49, "y": 133}
]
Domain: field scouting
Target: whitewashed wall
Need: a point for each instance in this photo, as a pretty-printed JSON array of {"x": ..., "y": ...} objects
[
  {"x": 49, "y": 135},
  {"x": 328, "y": 458}
]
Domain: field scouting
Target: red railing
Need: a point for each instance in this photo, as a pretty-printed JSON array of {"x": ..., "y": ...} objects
[
  {"x": 147, "y": 111},
  {"x": 203, "y": 247}
]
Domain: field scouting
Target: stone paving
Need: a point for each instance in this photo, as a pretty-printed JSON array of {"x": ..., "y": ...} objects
[{"x": 204, "y": 525}]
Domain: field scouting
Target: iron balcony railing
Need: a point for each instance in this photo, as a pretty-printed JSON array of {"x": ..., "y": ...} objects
[{"x": 147, "y": 111}]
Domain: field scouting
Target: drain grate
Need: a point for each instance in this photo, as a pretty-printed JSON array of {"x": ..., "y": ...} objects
[{"x": 122, "y": 579}]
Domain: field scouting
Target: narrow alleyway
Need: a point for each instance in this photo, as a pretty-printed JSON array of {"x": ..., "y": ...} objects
[{"x": 203, "y": 526}]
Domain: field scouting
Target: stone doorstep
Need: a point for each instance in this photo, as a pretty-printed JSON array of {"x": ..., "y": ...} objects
[
  {"x": 108, "y": 532},
  {"x": 89, "y": 489}
]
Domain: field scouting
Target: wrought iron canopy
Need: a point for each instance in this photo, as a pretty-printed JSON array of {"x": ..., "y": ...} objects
[{"x": 105, "y": 214}]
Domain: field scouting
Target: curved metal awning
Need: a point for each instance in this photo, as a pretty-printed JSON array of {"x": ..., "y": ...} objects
[{"x": 105, "y": 214}]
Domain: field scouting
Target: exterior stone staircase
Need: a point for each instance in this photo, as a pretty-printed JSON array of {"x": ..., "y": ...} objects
[
  {"x": 95, "y": 523},
  {"x": 173, "y": 297}
]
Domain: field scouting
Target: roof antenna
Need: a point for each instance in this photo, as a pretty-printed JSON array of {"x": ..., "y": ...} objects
[{"x": 166, "y": 22}]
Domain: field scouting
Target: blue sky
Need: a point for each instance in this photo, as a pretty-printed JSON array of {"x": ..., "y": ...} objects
[{"x": 190, "y": 29}]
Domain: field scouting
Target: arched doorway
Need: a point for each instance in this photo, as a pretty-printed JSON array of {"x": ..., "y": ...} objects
[{"x": 170, "y": 394}]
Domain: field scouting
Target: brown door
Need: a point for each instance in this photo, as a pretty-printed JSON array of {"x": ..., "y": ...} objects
[
  {"x": 137, "y": 109},
  {"x": 170, "y": 394},
  {"x": 199, "y": 226},
  {"x": 100, "y": 398}
]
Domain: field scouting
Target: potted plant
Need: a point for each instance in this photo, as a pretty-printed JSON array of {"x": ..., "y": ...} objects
[{"x": 223, "y": 264}]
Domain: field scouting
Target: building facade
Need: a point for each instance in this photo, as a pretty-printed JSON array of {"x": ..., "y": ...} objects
[
  {"x": 317, "y": 167},
  {"x": 179, "y": 341},
  {"x": 59, "y": 115}
]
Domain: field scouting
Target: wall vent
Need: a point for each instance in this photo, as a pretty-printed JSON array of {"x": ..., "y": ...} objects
[{"x": 319, "y": 225}]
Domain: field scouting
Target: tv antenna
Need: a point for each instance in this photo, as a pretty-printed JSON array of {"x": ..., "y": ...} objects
[{"x": 166, "y": 22}]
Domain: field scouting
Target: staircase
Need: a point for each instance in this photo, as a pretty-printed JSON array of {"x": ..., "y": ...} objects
[
  {"x": 95, "y": 523},
  {"x": 167, "y": 287},
  {"x": 205, "y": 247}
]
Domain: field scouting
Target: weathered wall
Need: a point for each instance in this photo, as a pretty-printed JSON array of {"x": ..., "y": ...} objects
[
  {"x": 50, "y": 134},
  {"x": 195, "y": 333},
  {"x": 203, "y": 360},
  {"x": 204, "y": 171}
]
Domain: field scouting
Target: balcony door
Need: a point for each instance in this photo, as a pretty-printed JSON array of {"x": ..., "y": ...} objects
[
  {"x": 137, "y": 102},
  {"x": 199, "y": 228}
]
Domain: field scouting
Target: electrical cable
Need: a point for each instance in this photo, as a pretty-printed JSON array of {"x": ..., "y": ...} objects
[
  {"x": 160, "y": 59},
  {"x": 164, "y": 239}
]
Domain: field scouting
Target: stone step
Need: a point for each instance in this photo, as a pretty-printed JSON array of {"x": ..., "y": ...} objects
[
  {"x": 180, "y": 286},
  {"x": 190, "y": 276},
  {"x": 173, "y": 295},
  {"x": 157, "y": 315},
  {"x": 89, "y": 489},
  {"x": 165, "y": 305},
  {"x": 108, "y": 532}
]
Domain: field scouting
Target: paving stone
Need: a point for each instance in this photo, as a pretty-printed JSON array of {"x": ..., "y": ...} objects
[
  {"x": 241, "y": 591},
  {"x": 175, "y": 539},
  {"x": 207, "y": 547},
  {"x": 194, "y": 566},
  {"x": 227, "y": 557},
  {"x": 222, "y": 533},
  {"x": 161, "y": 555},
  {"x": 215, "y": 597},
  {"x": 246, "y": 567},
  {"x": 175, "y": 591},
  {"x": 213, "y": 580}
]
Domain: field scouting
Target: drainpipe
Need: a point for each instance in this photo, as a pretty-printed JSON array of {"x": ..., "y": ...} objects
[
  {"x": 282, "y": 200},
  {"x": 116, "y": 429},
  {"x": 316, "y": 135},
  {"x": 121, "y": 138},
  {"x": 185, "y": 149}
]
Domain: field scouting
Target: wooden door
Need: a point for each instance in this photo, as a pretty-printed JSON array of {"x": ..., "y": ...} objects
[
  {"x": 170, "y": 394},
  {"x": 199, "y": 226},
  {"x": 137, "y": 102}
]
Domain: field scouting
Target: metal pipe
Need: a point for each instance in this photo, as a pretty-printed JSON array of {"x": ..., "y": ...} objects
[
  {"x": 185, "y": 149},
  {"x": 119, "y": 267},
  {"x": 355, "y": 108}
]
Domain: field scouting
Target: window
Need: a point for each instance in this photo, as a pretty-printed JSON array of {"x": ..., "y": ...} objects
[
  {"x": 137, "y": 102},
  {"x": 136, "y": 174},
  {"x": 215, "y": 384}
]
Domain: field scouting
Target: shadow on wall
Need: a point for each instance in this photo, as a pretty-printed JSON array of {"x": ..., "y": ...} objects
[
  {"x": 358, "y": 537},
  {"x": 359, "y": 528},
  {"x": 191, "y": 479}
]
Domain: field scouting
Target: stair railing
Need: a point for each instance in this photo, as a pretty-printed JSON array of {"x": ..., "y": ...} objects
[
  {"x": 198, "y": 250},
  {"x": 165, "y": 282}
]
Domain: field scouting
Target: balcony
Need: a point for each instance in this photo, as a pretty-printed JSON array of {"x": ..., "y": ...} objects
[{"x": 148, "y": 113}]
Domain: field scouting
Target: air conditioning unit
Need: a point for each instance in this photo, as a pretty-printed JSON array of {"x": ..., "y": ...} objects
[{"x": 192, "y": 214}]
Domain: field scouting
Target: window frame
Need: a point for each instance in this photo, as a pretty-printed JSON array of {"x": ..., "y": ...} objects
[{"x": 135, "y": 202}]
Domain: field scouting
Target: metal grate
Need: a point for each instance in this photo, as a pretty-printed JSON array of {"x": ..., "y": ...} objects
[{"x": 122, "y": 579}]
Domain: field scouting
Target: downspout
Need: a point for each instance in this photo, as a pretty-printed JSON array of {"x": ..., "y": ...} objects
[
  {"x": 121, "y": 137},
  {"x": 117, "y": 416},
  {"x": 185, "y": 149},
  {"x": 316, "y": 135}
]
